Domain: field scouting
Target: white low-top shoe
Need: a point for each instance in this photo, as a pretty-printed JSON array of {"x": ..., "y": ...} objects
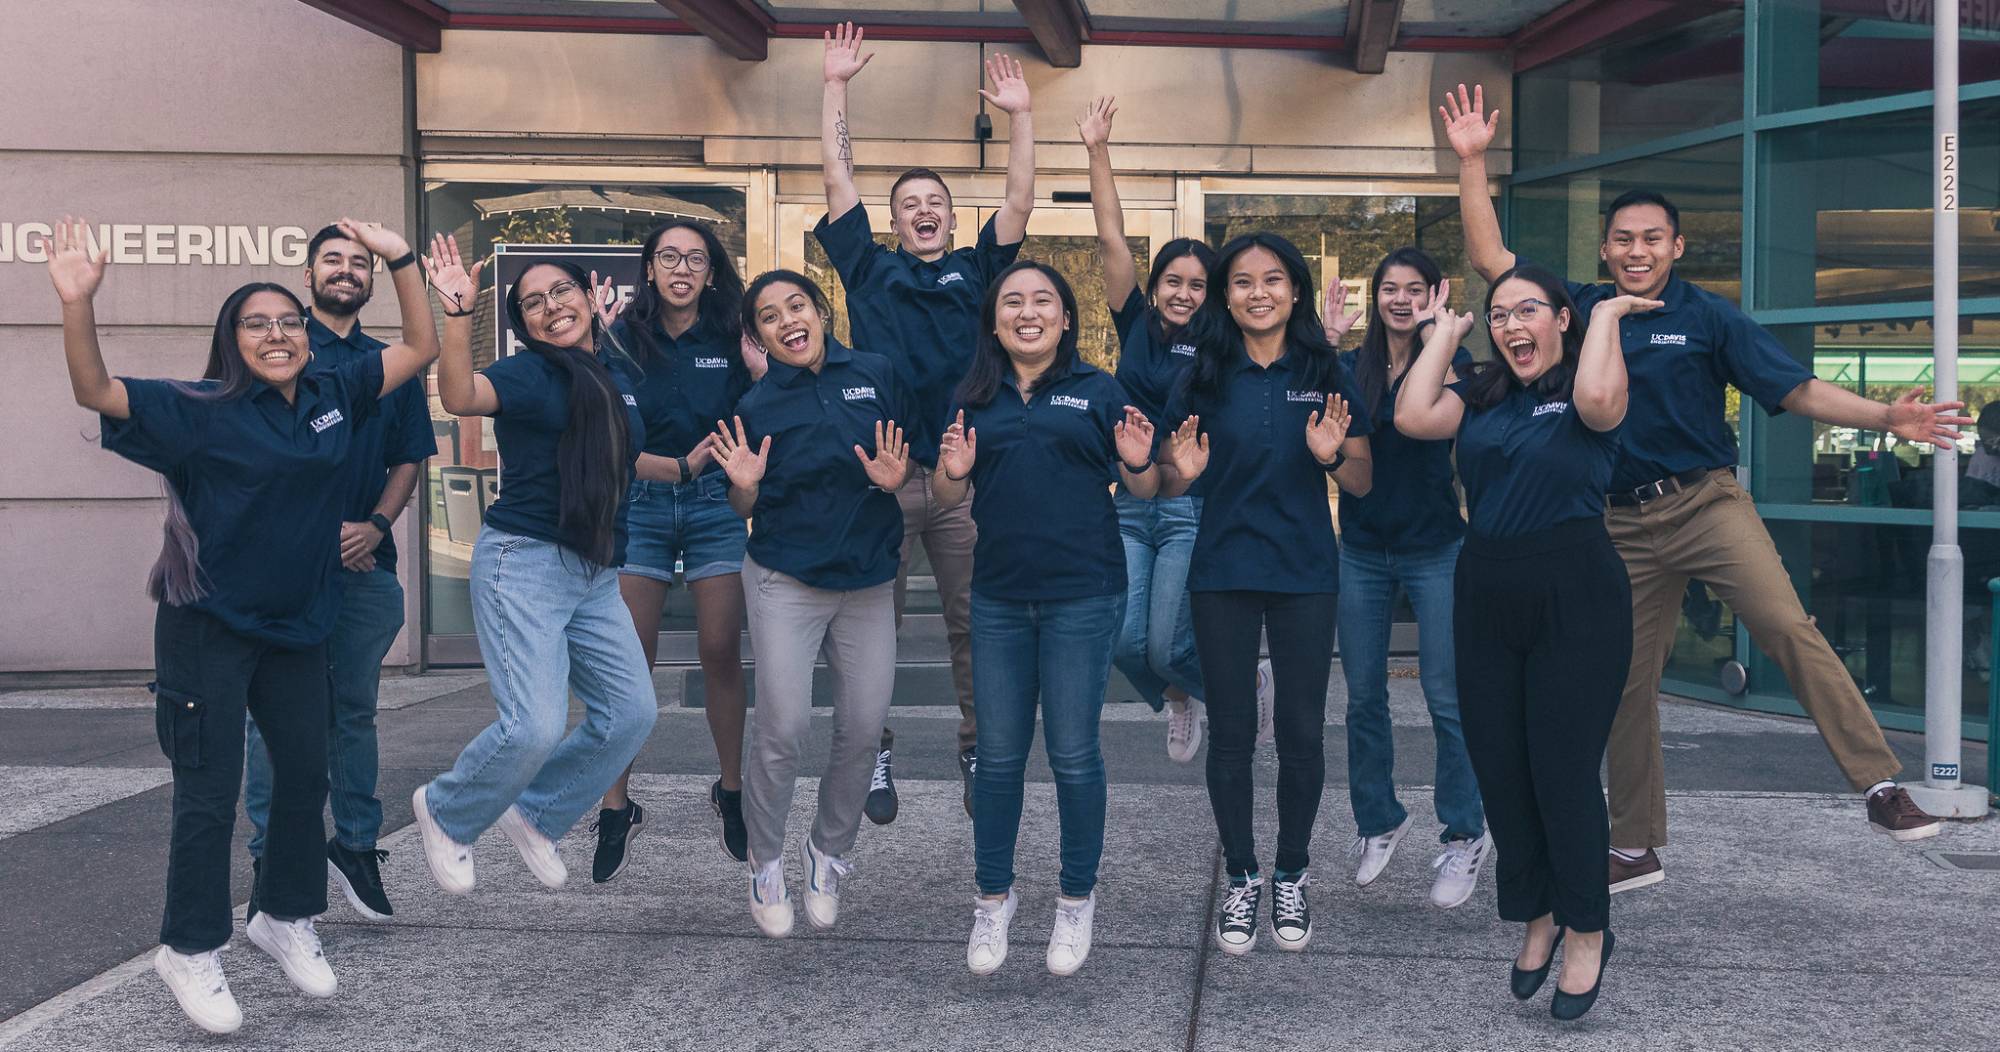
[
  {"x": 197, "y": 982},
  {"x": 1458, "y": 870},
  {"x": 1184, "y": 730},
  {"x": 1375, "y": 852},
  {"x": 450, "y": 862},
  {"x": 1069, "y": 941},
  {"x": 538, "y": 851},
  {"x": 823, "y": 873},
  {"x": 986, "y": 950},
  {"x": 770, "y": 903},
  {"x": 295, "y": 946}
]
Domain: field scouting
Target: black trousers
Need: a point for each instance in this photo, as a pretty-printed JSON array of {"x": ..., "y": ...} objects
[
  {"x": 1544, "y": 641},
  {"x": 208, "y": 677},
  {"x": 1226, "y": 631}
]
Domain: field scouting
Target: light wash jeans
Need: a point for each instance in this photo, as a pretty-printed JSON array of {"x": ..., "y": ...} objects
[
  {"x": 548, "y": 625},
  {"x": 1368, "y": 580},
  {"x": 1155, "y": 645}
]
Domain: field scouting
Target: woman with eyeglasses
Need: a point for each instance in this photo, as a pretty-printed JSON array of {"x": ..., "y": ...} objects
[
  {"x": 684, "y": 337},
  {"x": 545, "y": 597},
  {"x": 248, "y": 454},
  {"x": 1542, "y": 613}
]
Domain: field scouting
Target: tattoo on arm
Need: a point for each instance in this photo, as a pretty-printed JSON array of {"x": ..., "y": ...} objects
[{"x": 843, "y": 146}]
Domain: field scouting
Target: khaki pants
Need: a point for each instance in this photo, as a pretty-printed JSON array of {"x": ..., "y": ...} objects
[
  {"x": 1711, "y": 531},
  {"x": 948, "y": 538}
]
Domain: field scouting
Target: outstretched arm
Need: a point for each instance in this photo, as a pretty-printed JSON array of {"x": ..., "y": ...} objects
[
  {"x": 419, "y": 346},
  {"x": 77, "y": 274},
  {"x": 1120, "y": 275},
  {"x": 1908, "y": 418},
  {"x": 1470, "y": 130},
  {"x": 1425, "y": 410},
  {"x": 836, "y": 149},
  {"x": 1010, "y": 93},
  {"x": 461, "y": 391}
]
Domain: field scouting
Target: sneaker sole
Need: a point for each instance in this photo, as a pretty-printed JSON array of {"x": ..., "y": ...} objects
[
  {"x": 1394, "y": 843},
  {"x": 1061, "y": 973},
  {"x": 988, "y": 970},
  {"x": 427, "y": 828},
  {"x": 285, "y": 966},
  {"x": 222, "y": 1026},
  {"x": 1904, "y": 836},
  {"x": 353, "y": 899},
  {"x": 1643, "y": 880},
  {"x": 1292, "y": 947},
  {"x": 1234, "y": 950},
  {"x": 625, "y": 858},
  {"x": 1472, "y": 886}
]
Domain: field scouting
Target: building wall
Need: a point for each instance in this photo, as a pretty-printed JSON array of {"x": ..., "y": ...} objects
[{"x": 165, "y": 117}]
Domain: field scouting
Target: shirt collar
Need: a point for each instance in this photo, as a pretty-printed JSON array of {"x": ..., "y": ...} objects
[
  {"x": 320, "y": 337},
  {"x": 786, "y": 374},
  {"x": 1056, "y": 374}
]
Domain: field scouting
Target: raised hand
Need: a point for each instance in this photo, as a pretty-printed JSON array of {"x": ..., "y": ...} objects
[
  {"x": 604, "y": 300},
  {"x": 891, "y": 463},
  {"x": 1335, "y": 318},
  {"x": 1455, "y": 323},
  {"x": 1466, "y": 125},
  {"x": 384, "y": 242},
  {"x": 1010, "y": 85},
  {"x": 743, "y": 465},
  {"x": 958, "y": 448},
  {"x": 1619, "y": 306},
  {"x": 1439, "y": 297},
  {"x": 843, "y": 52},
  {"x": 1187, "y": 449},
  {"x": 1134, "y": 438},
  {"x": 1095, "y": 123},
  {"x": 1326, "y": 431},
  {"x": 457, "y": 287},
  {"x": 1934, "y": 423},
  {"x": 74, "y": 270}
]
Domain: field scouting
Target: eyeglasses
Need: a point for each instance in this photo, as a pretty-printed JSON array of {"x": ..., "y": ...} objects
[
  {"x": 669, "y": 258},
  {"x": 259, "y": 326},
  {"x": 560, "y": 292},
  {"x": 1525, "y": 311}
]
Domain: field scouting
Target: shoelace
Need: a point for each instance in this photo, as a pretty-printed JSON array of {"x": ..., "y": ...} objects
[
  {"x": 1291, "y": 899},
  {"x": 833, "y": 867},
  {"x": 1180, "y": 724},
  {"x": 1241, "y": 905},
  {"x": 304, "y": 935},
  {"x": 1068, "y": 932},
  {"x": 880, "y": 780},
  {"x": 207, "y": 969},
  {"x": 1456, "y": 859},
  {"x": 988, "y": 926},
  {"x": 770, "y": 884},
  {"x": 371, "y": 861}
]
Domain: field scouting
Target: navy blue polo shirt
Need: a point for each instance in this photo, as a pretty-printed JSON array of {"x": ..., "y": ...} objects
[
  {"x": 527, "y": 428},
  {"x": 251, "y": 473},
  {"x": 923, "y": 316},
  {"x": 1041, "y": 489},
  {"x": 1412, "y": 506},
  {"x": 817, "y": 516},
  {"x": 1530, "y": 463},
  {"x": 683, "y": 385},
  {"x": 399, "y": 433},
  {"x": 1678, "y": 360},
  {"x": 1148, "y": 367},
  {"x": 1265, "y": 525}
]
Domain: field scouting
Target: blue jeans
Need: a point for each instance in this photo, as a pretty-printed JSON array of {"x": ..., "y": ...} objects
[
  {"x": 1368, "y": 580},
  {"x": 548, "y": 625},
  {"x": 1155, "y": 646},
  {"x": 686, "y": 522},
  {"x": 1059, "y": 652},
  {"x": 371, "y": 613}
]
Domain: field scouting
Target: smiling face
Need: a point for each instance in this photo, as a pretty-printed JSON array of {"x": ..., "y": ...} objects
[
  {"x": 341, "y": 277},
  {"x": 1180, "y": 290},
  {"x": 1029, "y": 318},
  {"x": 554, "y": 308},
  {"x": 1261, "y": 293},
  {"x": 1530, "y": 339},
  {"x": 923, "y": 221},
  {"x": 1640, "y": 247},
  {"x": 680, "y": 285},
  {"x": 1402, "y": 293},
  {"x": 790, "y": 326},
  {"x": 275, "y": 357}
]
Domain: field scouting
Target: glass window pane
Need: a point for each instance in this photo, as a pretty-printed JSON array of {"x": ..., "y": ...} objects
[
  {"x": 1634, "y": 90},
  {"x": 1822, "y": 52}
]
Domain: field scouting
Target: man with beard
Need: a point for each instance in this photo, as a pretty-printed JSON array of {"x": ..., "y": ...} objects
[{"x": 381, "y": 472}]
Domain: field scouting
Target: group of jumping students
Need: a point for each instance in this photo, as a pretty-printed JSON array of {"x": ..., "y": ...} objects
[{"x": 1171, "y": 520}]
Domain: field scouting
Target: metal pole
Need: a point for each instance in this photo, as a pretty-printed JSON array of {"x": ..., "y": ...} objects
[{"x": 1942, "y": 792}]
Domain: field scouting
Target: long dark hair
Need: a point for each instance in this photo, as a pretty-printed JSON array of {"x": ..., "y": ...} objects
[
  {"x": 593, "y": 457},
  {"x": 786, "y": 277},
  {"x": 1371, "y": 362},
  {"x": 721, "y": 301},
  {"x": 176, "y": 578},
  {"x": 1173, "y": 250},
  {"x": 1489, "y": 383},
  {"x": 1218, "y": 340},
  {"x": 989, "y": 360}
]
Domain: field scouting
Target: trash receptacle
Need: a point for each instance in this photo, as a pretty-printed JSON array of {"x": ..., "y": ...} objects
[
  {"x": 489, "y": 489},
  {"x": 462, "y": 513}
]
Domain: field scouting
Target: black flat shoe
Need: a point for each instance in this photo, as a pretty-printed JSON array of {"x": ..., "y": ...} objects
[
  {"x": 1572, "y": 1006},
  {"x": 1527, "y": 983}
]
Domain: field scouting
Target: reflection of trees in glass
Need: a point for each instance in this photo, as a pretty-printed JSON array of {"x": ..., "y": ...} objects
[{"x": 545, "y": 227}]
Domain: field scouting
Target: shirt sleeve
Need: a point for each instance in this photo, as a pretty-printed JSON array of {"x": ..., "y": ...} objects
[
  {"x": 1126, "y": 315},
  {"x": 519, "y": 388},
  {"x": 850, "y": 245},
  {"x": 360, "y": 383},
  {"x": 410, "y": 439},
  {"x": 994, "y": 257},
  {"x": 1753, "y": 359},
  {"x": 1462, "y": 364},
  {"x": 164, "y": 429}
]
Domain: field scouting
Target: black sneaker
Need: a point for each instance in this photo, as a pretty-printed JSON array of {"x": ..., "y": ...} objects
[
  {"x": 256, "y": 872},
  {"x": 359, "y": 874},
  {"x": 1236, "y": 922},
  {"x": 615, "y": 831},
  {"x": 728, "y": 806},
  {"x": 968, "y": 765},
  {"x": 881, "y": 805},
  {"x": 1291, "y": 918}
]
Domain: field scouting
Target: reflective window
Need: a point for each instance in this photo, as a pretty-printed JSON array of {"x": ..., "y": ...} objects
[
  {"x": 1636, "y": 89},
  {"x": 1822, "y": 52}
]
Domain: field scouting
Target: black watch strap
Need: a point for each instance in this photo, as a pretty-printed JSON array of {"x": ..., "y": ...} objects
[
  {"x": 687, "y": 473},
  {"x": 403, "y": 260},
  {"x": 381, "y": 522}
]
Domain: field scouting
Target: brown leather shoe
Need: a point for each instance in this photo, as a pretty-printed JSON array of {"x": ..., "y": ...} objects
[
  {"x": 1630, "y": 876},
  {"x": 1892, "y": 811}
]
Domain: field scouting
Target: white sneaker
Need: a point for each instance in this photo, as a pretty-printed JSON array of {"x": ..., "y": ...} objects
[
  {"x": 1458, "y": 870},
  {"x": 1069, "y": 942},
  {"x": 986, "y": 951},
  {"x": 1375, "y": 852},
  {"x": 823, "y": 873},
  {"x": 1267, "y": 700},
  {"x": 770, "y": 903},
  {"x": 538, "y": 851},
  {"x": 1184, "y": 729},
  {"x": 201, "y": 988},
  {"x": 449, "y": 860},
  {"x": 295, "y": 946}
]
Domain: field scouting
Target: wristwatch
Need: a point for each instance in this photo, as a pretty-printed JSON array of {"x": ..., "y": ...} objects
[
  {"x": 687, "y": 473},
  {"x": 380, "y": 522}
]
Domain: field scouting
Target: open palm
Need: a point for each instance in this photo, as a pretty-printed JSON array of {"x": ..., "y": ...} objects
[
  {"x": 1095, "y": 124},
  {"x": 1326, "y": 431},
  {"x": 1466, "y": 124},
  {"x": 743, "y": 465},
  {"x": 456, "y": 286},
  {"x": 959, "y": 448},
  {"x": 75, "y": 272},
  {"x": 1187, "y": 449},
  {"x": 891, "y": 462},
  {"x": 843, "y": 52},
  {"x": 1010, "y": 84},
  {"x": 1134, "y": 438}
]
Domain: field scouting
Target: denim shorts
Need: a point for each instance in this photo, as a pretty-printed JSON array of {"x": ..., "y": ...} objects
[{"x": 689, "y": 522}]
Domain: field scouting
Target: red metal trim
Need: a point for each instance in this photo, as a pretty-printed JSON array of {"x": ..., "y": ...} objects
[
  {"x": 741, "y": 28},
  {"x": 1583, "y": 24},
  {"x": 414, "y": 24}
]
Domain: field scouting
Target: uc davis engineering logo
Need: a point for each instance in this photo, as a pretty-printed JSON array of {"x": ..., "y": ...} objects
[
  {"x": 857, "y": 394},
  {"x": 326, "y": 420}
]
